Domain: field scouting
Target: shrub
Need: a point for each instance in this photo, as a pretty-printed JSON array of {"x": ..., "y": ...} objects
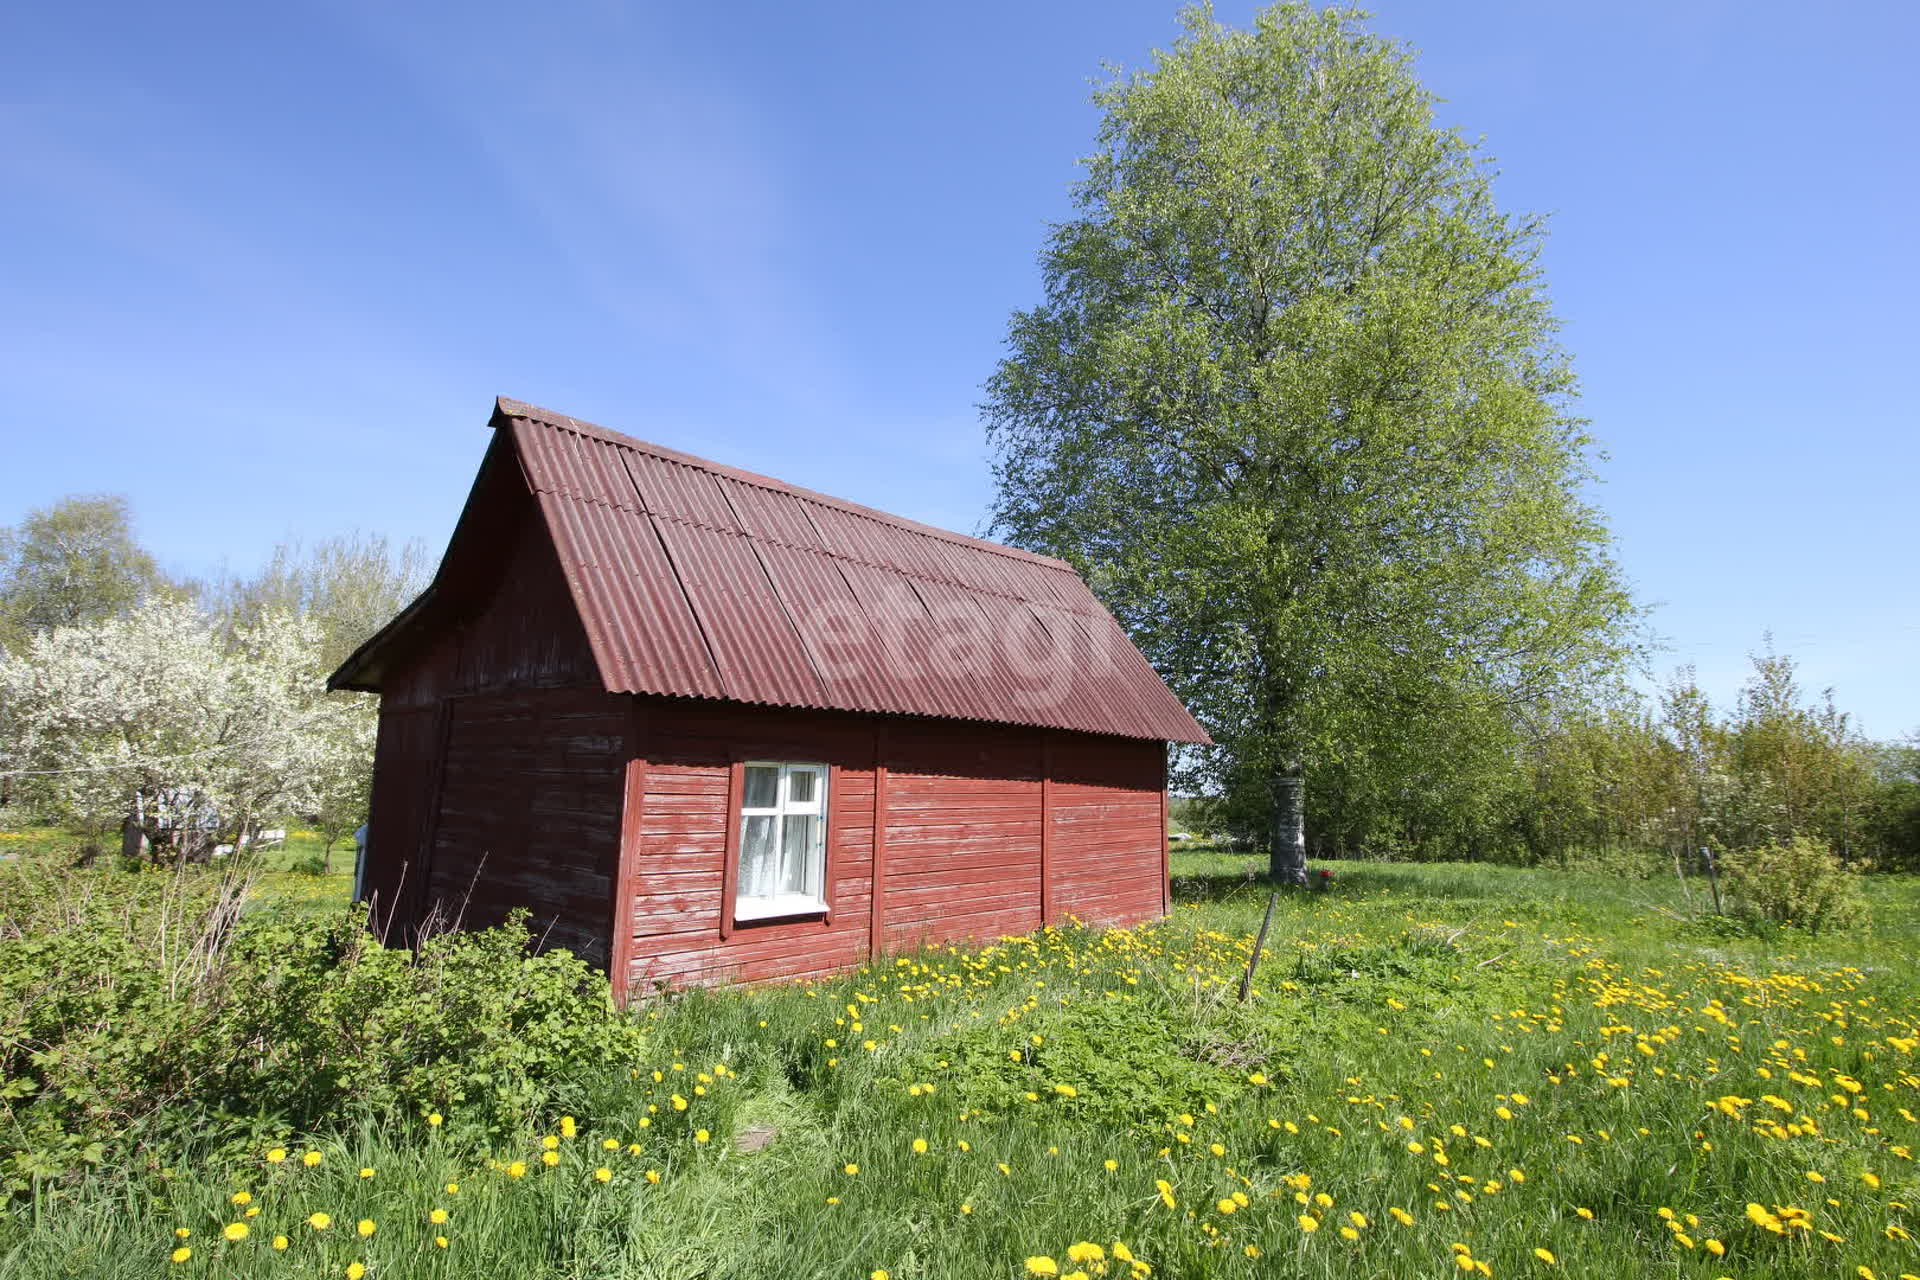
[
  {"x": 145, "y": 1007},
  {"x": 1800, "y": 883}
]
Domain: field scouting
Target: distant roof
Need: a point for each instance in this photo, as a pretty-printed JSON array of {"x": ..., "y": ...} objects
[{"x": 700, "y": 580}]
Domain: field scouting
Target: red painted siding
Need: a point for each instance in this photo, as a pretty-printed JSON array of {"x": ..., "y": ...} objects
[{"x": 962, "y": 814}]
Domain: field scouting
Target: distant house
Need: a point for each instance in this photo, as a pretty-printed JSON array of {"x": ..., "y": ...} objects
[{"x": 705, "y": 725}]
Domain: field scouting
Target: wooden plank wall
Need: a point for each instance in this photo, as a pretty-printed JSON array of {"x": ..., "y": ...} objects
[
  {"x": 531, "y": 794},
  {"x": 961, "y": 807}
]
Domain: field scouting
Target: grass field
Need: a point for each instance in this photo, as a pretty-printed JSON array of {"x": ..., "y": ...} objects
[{"x": 1444, "y": 1070}]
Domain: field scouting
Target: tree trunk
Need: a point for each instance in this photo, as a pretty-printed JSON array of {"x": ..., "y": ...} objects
[{"x": 1287, "y": 847}]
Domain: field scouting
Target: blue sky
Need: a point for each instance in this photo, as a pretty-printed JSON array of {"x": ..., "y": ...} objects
[{"x": 266, "y": 265}]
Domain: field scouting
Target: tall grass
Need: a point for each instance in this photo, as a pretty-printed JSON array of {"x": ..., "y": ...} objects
[{"x": 1489, "y": 1051}]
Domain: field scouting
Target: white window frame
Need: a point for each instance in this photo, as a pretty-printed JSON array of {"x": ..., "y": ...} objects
[{"x": 784, "y": 904}]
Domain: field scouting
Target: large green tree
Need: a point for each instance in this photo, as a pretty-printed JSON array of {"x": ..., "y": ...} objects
[
  {"x": 1293, "y": 403},
  {"x": 71, "y": 564}
]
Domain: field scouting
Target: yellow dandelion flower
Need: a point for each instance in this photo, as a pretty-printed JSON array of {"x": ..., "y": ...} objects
[
  {"x": 436, "y": 1119},
  {"x": 280, "y": 1243},
  {"x": 1715, "y": 1247},
  {"x": 1358, "y": 1219},
  {"x": 319, "y": 1221},
  {"x": 439, "y": 1242},
  {"x": 310, "y": 1159},
  {"x": 356, "y": 1270},
  {"x": 1086, "y": 1251},
  {"x": 603, "y": 1174},
  {"x": 549, "y": 1142},
  {"x": 1585, "y": 1213},
  {"x": 366, "y": 1173},
  {"x": 181, "y": 1254},
  {"x": 568, "y": 1127},
  {"x": 1546, "y": 1256},
  {"x": 1348, "y": 1233},
  {"x": 877, "y": 1274},
  {"x": 1813, "y": 1175},
  {"x": 653, "y": 1177},
  {"x": 549, "y": 1158},
  {"x": 1401, "y": 1216},
  {"x": 236, "y": 1231},
  {"x": 1226, "y": 1206},
  {"x": 453, "y": 1188},
  {"x": 1110, "y": 1165},
  {"x": 702, "y": 1136},
  {"x": 276, "y": 1155},
  {"x": 1308, "y": 1223},
  {"x": 437, "y": 1217},
  {"x": 1042, "y": 1265},
  {"x": 241, "y": 1197},
  {"x": 365, "y": 1227},
  {"x": 850, "y": 1169},
  {"x": 919, "y": 1146}
]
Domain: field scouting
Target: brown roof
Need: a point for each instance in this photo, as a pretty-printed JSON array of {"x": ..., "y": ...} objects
[{"x": 700, "y": 580}]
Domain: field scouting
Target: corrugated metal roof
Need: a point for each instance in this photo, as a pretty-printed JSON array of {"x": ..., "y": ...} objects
[{"x": 702, "y": 580}]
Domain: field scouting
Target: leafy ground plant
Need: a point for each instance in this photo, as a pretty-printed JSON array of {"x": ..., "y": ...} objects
[{"x": 1442, "y": 1070}]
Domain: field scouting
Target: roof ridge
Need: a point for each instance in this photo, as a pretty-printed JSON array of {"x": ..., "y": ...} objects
[{"x": 506, "y": 407}]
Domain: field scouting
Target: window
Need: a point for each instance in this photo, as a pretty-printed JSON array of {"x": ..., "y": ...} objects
[{"x": 783, "y": 841}]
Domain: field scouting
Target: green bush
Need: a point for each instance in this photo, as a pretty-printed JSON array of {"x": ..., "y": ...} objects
[
  {"x": 1800, "y": 883},
  {"x": 144, "y": 1007}
]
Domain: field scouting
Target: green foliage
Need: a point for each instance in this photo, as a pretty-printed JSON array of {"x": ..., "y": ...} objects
[
  {"x": 1116, "y": 1062},
  {"x": 70, "y": 564},
  {"x": 145, "y": 1004},
  {"x": 1293, "y": 405},
  {"x": 1488, "y": 1015},
  {"x": 1799, "y": 883}
]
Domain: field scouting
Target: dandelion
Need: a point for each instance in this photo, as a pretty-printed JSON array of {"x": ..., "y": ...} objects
[
  {"x": 1546, "y": 1256},
  {"x": 877, "y": 1274},
  {"x": 1401, "y": 1216},
  {"x": 1165, "y": 1189},
  {"x": 436, "y": 1119},
  {"x": 241, "y": 1197},
  {"x": 549, "y": 1158},
  {"x": 280, "y": 1243},
  {"x": 181, "y": 1254},
  {"x": 310, "y": 1159},
  {"x": 1042, "y": 1265},
  {"x": 568, "y": 1127},
  {"x": 1358, "y": 1219},
  {"x": 1226, "y": 1206},
  {"x": 653, "y": 1177},
  {"x": 1813, "y": 1175},
  {"x": 1585, "y": 1214},
  {"x": 1715, "y": 1247},
  {"x": 439, "y": 1242},
  {"x": 319, "y": 1221},
  {"x": 919, "y": 1146},
  {"x": 366, "y": 1173},
  {"x": 1308, "y": 1223},
  {"x": 1086, "y": 1251},
  {"x": 1110, "y": 1165},
  {"x": 549, "y": 1142},
  {"x": 603, "y": 1174},
  {"x": 850, "y": 1169},
  {"x": 236, "y": 1231},
  {"x": 356, "y": 1270},
  {"x": 277, "y": 1155},
  {"x": 365, "y": 1227},
  {"x": 702, "y": 1136},
  {"x": 453, "y": 1188}
]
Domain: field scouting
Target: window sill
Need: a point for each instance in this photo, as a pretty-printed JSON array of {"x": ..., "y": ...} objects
[{"x": 748, "y": 910}]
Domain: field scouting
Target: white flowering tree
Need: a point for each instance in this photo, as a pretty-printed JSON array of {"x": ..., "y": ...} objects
[{"x": 153, "y": 720}]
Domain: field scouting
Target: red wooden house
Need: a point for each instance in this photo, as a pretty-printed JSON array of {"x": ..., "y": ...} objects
[{"x": 706, "y": 725}]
